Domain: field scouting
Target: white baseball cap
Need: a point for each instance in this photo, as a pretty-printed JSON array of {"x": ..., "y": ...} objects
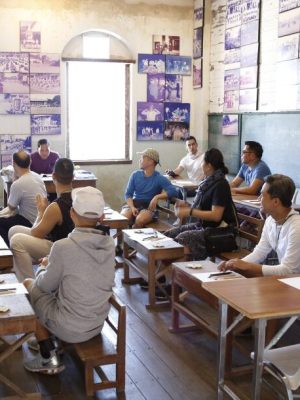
[{"x": 88, "y": 202}]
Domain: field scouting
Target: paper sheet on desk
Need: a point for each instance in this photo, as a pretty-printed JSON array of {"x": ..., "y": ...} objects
[
  {"x": 204, "y": 276},
  {"x": 294, "y": 282},
  {"x": 19, "y": 288}
]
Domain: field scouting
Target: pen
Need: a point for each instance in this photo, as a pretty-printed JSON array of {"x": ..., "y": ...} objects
[
  {"x": 220, "y": 274},
  {"x": 6, "y": 289}
]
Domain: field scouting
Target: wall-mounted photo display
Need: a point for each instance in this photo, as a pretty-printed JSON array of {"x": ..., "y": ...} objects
[
  {"x": 45, "y": 83},
  {"x": 250, "y": 10},
  {"x": 9, "y": 144},
  {"x": 198, "y": 13},
  {"x": 177, "y": 112},
  {"x": 232, "y": 57},
  {"x": 156, "y": 87},
  {"x": 285, "y": 5},
  {"x": 30, "y": 36},
  {"x": 151, "y": 63},
  {"x": 180, "y": 65},
  {"x": 197, "y": 73},
  {"x": 249, "y": 55},
  {"x": 16, "y": 104},
  {"x": 248, "y": 78},
  {"x": 231, "y": 100},
  {"x": 45, "y": 124},
  {"x": 249, "y": 33},
  {"x": 45, "y": 103},
  {"x": 44, "y": 63},
  {"x": 173, "y": 89},
  {"x": 163, "y": 44},
  {"x": 233, "y": 38},
  {"x": 150, "y": 130},
  {"x": 233, "y": 13},
  {"x": 147, "y": 111},
  {"x": 14, "y": 62},
  {"x": 176, "y": 131},
  {"x": 230, "y": 124},
  {"x": 289, "y": 22},
  {"x": 14, "y": 82},
  {"x": 232, "y": 79},
  {"x": 288, "y": 47},
  {"x": 197, "y": 42},
  {"x": 248, "y": 100}
]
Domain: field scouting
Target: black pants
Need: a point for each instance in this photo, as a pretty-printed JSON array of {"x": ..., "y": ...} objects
[{"x": 7, "y": 223}]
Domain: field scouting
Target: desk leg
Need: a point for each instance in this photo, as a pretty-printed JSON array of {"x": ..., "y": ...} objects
[
  {"x": 260, "y": 334},
  {"x": 151, "y": 283},
  {"x": 223, "y": 311}
]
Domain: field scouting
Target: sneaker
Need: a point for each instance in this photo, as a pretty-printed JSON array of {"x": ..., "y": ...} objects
[
  {"x": 33, "y": 344},
  {"x": 144, "y": 284},
  {"x": 49, "y": 366}
]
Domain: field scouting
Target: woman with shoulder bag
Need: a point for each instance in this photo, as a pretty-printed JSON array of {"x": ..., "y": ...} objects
[{"x": 216, "y": 221}]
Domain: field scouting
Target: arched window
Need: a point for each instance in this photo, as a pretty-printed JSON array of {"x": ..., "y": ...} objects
[{"x": 98, "y": 97}]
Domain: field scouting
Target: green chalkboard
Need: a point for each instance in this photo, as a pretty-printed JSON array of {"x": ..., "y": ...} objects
[
  {"x": 229, "y": 145},
  {"x": 279, "y": 134}
]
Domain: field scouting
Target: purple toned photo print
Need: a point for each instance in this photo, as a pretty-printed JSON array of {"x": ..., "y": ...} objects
[
  {"x": 14, "y": 62},
  {"x": 44, "y": 62},
  {"x": 156, "y": 87},
  {"x": 45, "y": 124},
  {"x": 44, "y": 83},
  {"x": 173, "y": 88},
  {"x": 150, "y": 130},
  {"x": 177, "y": 112},
  {"x": 147, "y": 111},
  {"x": 176, "y": 131},
  {"x": 151, "y": 63}
]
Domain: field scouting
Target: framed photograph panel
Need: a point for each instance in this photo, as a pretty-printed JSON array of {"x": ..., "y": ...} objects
[
  {"x": 233, "y": 13},
  {"x": 151, "y": 63},
  {"x": 14, "y": 62},
  {"x": 156, "y": 87},
  {"x": 178, "y": 65},
  {"x": 45, "y": 83},
  {"x": 173, "y": 90},
  {"x": 230, "y": 124},
  {"x": 250, "y": 10},
  {"x": 14, "y": 82},
  {"x": 249, "y": 33},
  {"x": 232, "y": 79},
  {"x": 45, "y": 103},
  {"x": 149, "y": 130},
  {"x": 232, "y": 56},
  {"x": 288, "y": 47},
  {"x": 248, "y": 78},
  {"x": 249, "y": 55},
  {"x": 30, "y": 36},
  {"x": 44, "y": 63},
  {"x": 197, "y": 43},
  {"x": 289, "y": 22},
  {"x": 10, "y": 144},
  {"x": 45, "y": 124},
  {"x": 233, "y": 38},
  {"x": 179, "y": 112},
  {"x": 163, "y": 44},
  {"x": 147, "y": 111},
  {"x": 285, "y": 5},
  {"x": 198, "y": 15},
  {"x": 248, "y": 100},
  {"x": 176, "y": 131},
  {"x": 197, "y": 73},
  {"x": 231, "y": 100},
  {"x": 16, "y": 104}
]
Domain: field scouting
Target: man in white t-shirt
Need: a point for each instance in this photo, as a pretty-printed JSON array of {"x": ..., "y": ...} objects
[{"x": 191, "y": 163}]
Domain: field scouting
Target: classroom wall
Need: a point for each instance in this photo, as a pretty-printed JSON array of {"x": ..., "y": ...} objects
[{"x": 135, "y": 21}]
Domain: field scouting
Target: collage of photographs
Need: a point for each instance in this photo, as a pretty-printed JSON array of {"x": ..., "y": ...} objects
[
  {"x": 198, "y": 43},
  {"x": 29, "y": 85},
  {"x": 163, "y": 116}
]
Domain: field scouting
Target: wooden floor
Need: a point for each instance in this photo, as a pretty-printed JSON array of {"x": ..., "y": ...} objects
[{"x": 159, "y": 365}]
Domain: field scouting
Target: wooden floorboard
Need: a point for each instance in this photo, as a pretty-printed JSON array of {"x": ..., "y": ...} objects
[{"x": 159, "y": 365}]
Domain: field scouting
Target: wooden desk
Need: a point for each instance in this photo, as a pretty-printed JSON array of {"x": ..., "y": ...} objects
[
  {"x": 81, "y": 180},
  {"x": 145, "y": 259},
  {"x": 184, "y": 185},
  {"x": 252, "y": 202},
  {"x": 19, "y": 320},
  {"x": 259, "y": 299},
  {"x": 115, "y": 220}
]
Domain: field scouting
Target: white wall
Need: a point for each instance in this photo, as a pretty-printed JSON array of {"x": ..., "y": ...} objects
[{"x": 133, "y": 20}]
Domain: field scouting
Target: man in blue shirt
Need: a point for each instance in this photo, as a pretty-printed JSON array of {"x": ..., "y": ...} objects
[
  {"x": 253, "y": 170},
  {"x": 144, "y": 189}
]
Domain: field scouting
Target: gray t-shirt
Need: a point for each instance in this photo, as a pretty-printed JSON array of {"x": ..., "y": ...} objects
[{"x": 23, "y": 192}]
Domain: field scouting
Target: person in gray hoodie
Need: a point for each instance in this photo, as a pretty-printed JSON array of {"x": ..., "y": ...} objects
[{"x": 71, "y": 292}]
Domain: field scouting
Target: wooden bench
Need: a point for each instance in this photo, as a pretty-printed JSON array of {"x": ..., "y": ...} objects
[
  {"x": 6, "y": 257},
  {"x": 106, "y": 348}
]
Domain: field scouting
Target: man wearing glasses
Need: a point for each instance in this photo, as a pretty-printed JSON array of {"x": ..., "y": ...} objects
[{"x": 253, "y": 170}]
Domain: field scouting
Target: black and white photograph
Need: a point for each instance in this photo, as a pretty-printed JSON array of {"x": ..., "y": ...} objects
[
  {"x": 30, "y": 36},
  {"x": 176, "y": 131},
  {"x": 15, "y": 104},
  {"x": 151, "y": 63},
  {"x": 232, "y": 79},
  {"x": 178, "y": 65},
  {"x": 44, "y": 63},
  {"x": 156, "y": 84},
  {"x": 163, "y": 44},
  {"x": 14, "y": 62},
  {"x": 179, "y": 112},
  {"x": 248, "y": 100},
  {"x": 230, "y": 124},
  {"x": 197, "y": 43},
  {"x": 45, "y": 83},
  {"x": 12, "y": 143},
  {"x": 249, "y": 55},
  {"x": 248, "y": 78},
  {"x": 197, "y": 73},
  {"x": 288, "y": 47},
  {"x": 231, "y": 100},
  {"x": 173, "y": 89},
  {"x": 150, "y": 130},
  {"x": 250, "y": 10},
  {"x": 14, "y": 82},
  {"x": 233, "y": 13},
  {"x": 198, "y": 14},
  {"x": 289, "y": 22},
  {"x": 45, "y": 103},
  {"x": 285, "y": 5},
  {"x": 232, "y": 56},
  {"x": 45, "y": 124},
  {"x": 147, "y": 111},
  {"x": 249, "y": 33},
  {"x": 233, "y": 38}
]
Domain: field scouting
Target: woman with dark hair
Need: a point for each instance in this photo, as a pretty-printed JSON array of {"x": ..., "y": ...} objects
[{"x": 212, "y": 207}]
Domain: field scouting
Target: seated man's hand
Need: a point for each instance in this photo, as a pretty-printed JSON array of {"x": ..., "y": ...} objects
[
  {"x": 153, "y": 204},
  {"x": 134, "y": 211},
  {"x": 236, "y": 264},
  {"x": 181, "y": 203},
  {"x": 43, "y": 262},
  {"x": 182, "y": 212}
]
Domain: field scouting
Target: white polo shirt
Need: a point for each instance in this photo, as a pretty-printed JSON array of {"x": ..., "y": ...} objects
[{"x": 192, "y": 164}]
